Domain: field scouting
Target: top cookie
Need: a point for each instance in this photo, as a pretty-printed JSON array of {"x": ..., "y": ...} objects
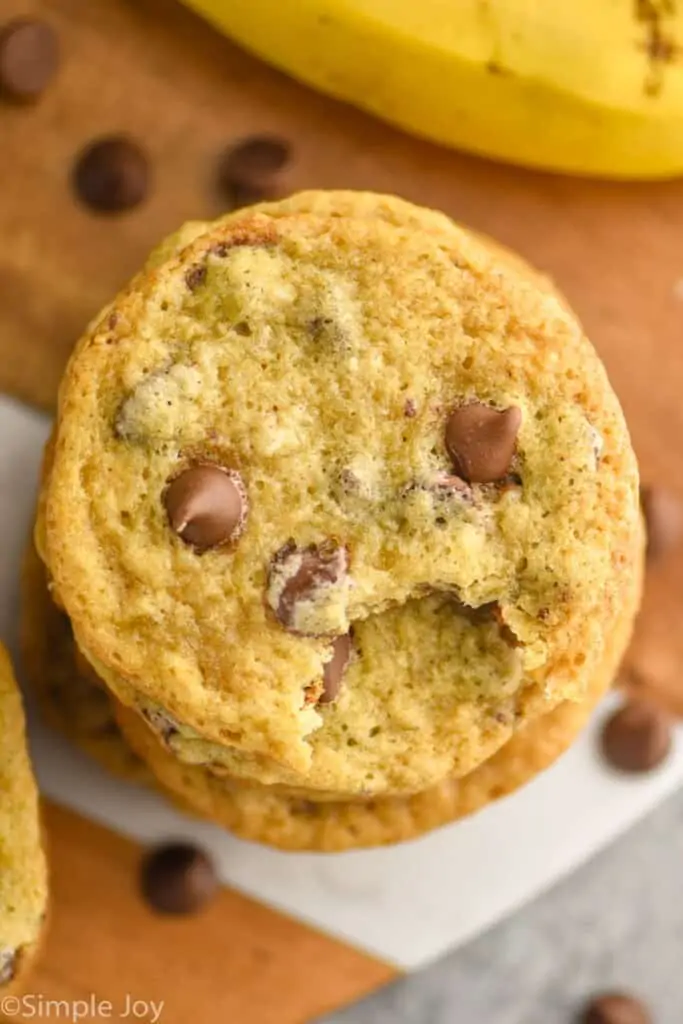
[{"x": 293, "y": 457}]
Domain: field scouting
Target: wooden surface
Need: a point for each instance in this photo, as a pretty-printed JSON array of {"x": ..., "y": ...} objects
[
  {"x": 151, "y": 69},
  {"x": 235, "y": 963}
]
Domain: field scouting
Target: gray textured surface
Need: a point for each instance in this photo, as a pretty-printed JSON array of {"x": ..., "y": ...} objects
[{"x": 617, "y": 922}]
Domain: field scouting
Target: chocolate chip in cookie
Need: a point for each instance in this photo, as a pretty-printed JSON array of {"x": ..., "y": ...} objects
[
  {"x": 161, "y": 722},
  {"x": 335, "y": 668},
  {"x": 481, "y": 441},
  {"x": 178, "y": 879},
  {"x": 8, "y": 965},
  {"x": 29, "y": 56},
  {"x": 615, "y": 1008},
  {"x": 195, "y": 277},
  {"x": 304, "y": 577},
  {"x": 206, "y": 506},
  {"x": 637, "y": 737}
]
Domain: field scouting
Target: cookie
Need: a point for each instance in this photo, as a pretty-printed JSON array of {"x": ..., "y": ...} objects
[
  {"x": 23, "y": 871},
  {"x": 70, "y": 696},
  {"x": 306, "y": 427},
  {"x": 262, "y": 815}
]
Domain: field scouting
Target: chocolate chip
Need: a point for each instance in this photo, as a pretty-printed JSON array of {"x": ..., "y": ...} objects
[
  {"x": 195, "y": 277},
  {"x": 663, "y": 521},
  {"x": 178, "y": 879},
  {"x": 299, "y": 575},
  {"x": 481, "y": 441},
  {"x": 616, "y": 1008},
  {"x": 250, "y": 170},
  {"x": 29, "y": 55},
  {"x": 161, "y": 722},
  {"x": 637, "y": 737},
  {"x": 335, "y": 668},
  {"x": 206, "y": 506},
  {"x": 111, "y": 174},
  {"x": 8, "y": 965}
]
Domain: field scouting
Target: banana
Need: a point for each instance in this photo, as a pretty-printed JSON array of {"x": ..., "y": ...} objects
[{"x": 592, "y": 87}]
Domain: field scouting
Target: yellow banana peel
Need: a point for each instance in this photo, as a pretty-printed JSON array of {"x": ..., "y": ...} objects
[{"x": 591, "y": 87}]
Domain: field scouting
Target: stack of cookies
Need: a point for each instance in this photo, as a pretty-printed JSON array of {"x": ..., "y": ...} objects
[{"x": 338, "y": 537}]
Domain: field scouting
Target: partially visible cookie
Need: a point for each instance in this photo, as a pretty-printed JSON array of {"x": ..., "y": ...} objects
[
  {"x": 70, "y": 697},
  {"x": 23, "y": 870}
]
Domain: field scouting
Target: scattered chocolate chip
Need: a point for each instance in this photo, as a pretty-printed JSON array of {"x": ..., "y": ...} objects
[
  {"x": 663, "y": 520},
  {"x": 637, "y": 737},
  {"x": 615, "y": 1008},
  {"x": 242, "y": 328},
  {"x": 8, "y": 964},
  {"x": 206, "y": 506},
  {"x": 250, "y": 170},
  {"x": 195, "y": 277},
  {"x": 409, "y": 409},
  {"x": 481, "y": 441},
  {"x": 297, "y": 575},
  {"x": 111, "y": 174},
  {"x": 178, "y": 879},
  {"x": 29, "y": 56},
  {"x": 335, "y": 668}
]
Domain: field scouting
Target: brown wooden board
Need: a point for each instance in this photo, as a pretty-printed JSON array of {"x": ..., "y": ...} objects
[
  {"x": 236, "y": 962},
  {"x": 151, "y": 69}
]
